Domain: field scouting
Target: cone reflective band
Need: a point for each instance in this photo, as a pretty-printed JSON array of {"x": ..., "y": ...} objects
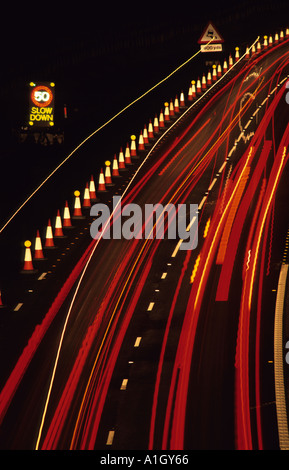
[{"x": 41, "y": 104}]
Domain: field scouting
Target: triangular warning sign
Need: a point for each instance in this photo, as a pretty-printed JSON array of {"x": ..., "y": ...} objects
[{"x": 210, "y": 33}]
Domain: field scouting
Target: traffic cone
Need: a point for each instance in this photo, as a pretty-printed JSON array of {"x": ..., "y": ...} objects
[
  {"x": 127, "y": 159},
  {"x": 258, "y": 46},
  {"x": 287, "y": 32},
  {"x": 28, "y": 265},
  {"x": 199, "y": 86},
  {"x": 107, "y": 175},
  {"x": 176, "y": 105},
  {"x": 121, "y": 162},
  {"x": 281, "y": 35},
  {"x": 66, "y": 216},
  {"x": 253, "y": 50},
  {"x": 167, "y": 111},
  {"x": 190, "y": 93},
  {"x": 150, "y": 130},
  {"x": 247, "y": 56},
  {"x": 270, "y": 41},
  {"x": 49, "y": 241},
  {"x": 171, "y": 109},
  {"x": 38, "y": 252},
  {"x": 219, "y": 71},
  {"x": 276, "y": 38},
  {"x": 225, "y": 66},
  {"x": 92, "y": 193},
  {"x": 145, "y": 135},
  {"x": 86, "y": 197},
  {"x": 265, "y": 42},
  {"x": 133, "y": 146},
  {"x": 161, "y": 119},
  {"x": 77, "y": 211},
  {"x": 204, "y": 83},
  {"x": 237, "y": 54},
  {"x": 101, "y": 182},
  {"x": 230, "y": 61},
  {"x": 115, "y": 171},
  {"x": 209, "y": 78},
  {"x": 141, "y": 145},
  {"x": 156, "y": 127},
  {"x": 194, "y": 93},
  {"x": 182, "y": 100},
  {"x": 58, "y": 232}
]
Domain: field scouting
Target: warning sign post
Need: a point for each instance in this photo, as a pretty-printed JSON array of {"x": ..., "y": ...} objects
[{"x": 211, "y": 40}]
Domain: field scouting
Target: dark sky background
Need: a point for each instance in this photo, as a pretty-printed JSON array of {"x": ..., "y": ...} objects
[{"x": 93, "y": 50}]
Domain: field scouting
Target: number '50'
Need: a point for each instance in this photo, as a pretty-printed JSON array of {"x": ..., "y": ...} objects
[{"x": 41, "y": 95}]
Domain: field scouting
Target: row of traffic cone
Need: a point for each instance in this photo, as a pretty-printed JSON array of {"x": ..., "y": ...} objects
[{"x": 155, "y": 126}]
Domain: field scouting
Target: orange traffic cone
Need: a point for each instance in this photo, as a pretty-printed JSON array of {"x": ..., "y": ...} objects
[
  {"x": 77, "y": 211},
  {"x": 28, "y": 265},
  {"x": 86, "y": 197},
  {"x": 133, "y": 146},
  {"x": 214, "y": 73},
  {"x": 219, "y": 71},
  {"x": 176, "y": 105},
  {"x": 127, "y": 159},
  {"x": 161, "y": 119},
  {"x": 225, "y": 66},
  {"x": 49, "y": 242},
  {"x": 145, "y": 135},
  {"x": 182, "y": 100},
  {"x": 92, "y": 193},
  {"x": 115, "y": 171},
  {"x": 107, "y": 176},
  {"x": 204, "y": 83},
  {"x": 58, "y": 232},
  {"x": 237, "y": 54},
  {"x": 156, "y": 127},
  {"x": 121, "y": 162},
  {"x": 101, "y": 182},
  {"x": 230, "y": 61},
  {"x": 167, "y": 111},
  {"x": 151, "y": 130},
  {"x": 66, "y": 216},
  {"x": 38, "y": 252},
  {"x": 209, "y": 78},
  {"x": 171, "y": 108},
  {"x": 194, "y": 93},
  {"x": 141, "y": 145},
  {"x": 199, "y": 86}
]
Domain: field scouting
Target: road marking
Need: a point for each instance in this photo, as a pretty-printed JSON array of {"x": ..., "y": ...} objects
[
  {"x": 222, "y": 167},
  {"x": 150, "y": 307},
  {"x": 164, "y": 275},
  {"x": 212, "y": 184},
  {"x": 110, "y": 438},
  {"x": 137, "y": 342},
  {"x": 18, "y": 306},
  {"x": 124, "y": 384}
]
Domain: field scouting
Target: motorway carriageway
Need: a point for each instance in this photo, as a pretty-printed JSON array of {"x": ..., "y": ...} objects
[{"x": 163, "y": 348}]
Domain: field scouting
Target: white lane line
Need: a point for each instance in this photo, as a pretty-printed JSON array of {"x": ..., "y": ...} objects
[
  {"x": 124, "y": 384},
  {"x": 150, "y": 307},
  {"x": 137, "y": 342},
  {"x": 18, "y": 306},
  {"x": 164, "y": 275},
  {"x": 110, "y": 438},
  {"x": 42, "y": 276},
  {"x": 222, "y": 167},
  {"x": 212, "y": 184}
]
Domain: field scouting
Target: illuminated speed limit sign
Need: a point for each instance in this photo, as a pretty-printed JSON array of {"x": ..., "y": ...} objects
[
  {"x": 41, "y": 109},
  {"x": 41, "y": 95}
]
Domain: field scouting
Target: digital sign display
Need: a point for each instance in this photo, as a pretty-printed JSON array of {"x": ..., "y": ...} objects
[{"x": 41, "y": 104}]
